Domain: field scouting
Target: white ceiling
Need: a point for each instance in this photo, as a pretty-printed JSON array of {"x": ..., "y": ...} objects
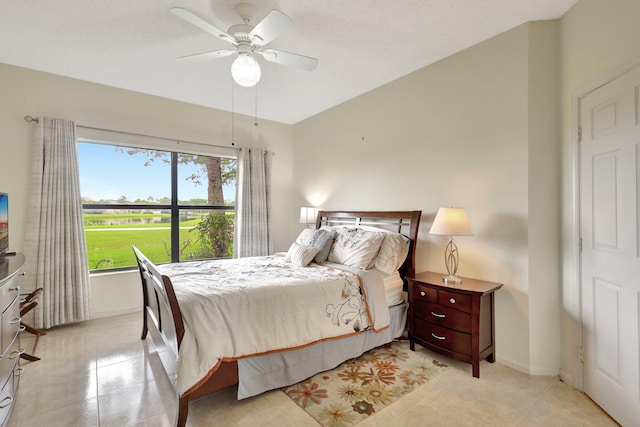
[{"x": 360, "y": 45}]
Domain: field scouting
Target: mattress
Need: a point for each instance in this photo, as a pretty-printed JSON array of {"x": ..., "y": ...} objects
[{"x": 393, "y": 285}]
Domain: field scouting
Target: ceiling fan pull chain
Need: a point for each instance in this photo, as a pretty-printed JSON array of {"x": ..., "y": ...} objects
[
  {"x": 233, "y": 122},
  {"x": 255, "y": 122}
]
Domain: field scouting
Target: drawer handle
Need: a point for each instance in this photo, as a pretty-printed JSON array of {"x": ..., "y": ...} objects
[
  {"x": 452, "y": 300},
  {"x": 22, "y": 328},
  {"x": 15, "y": 288},
  {"x": 422, "y": 294},
  {"x": 8, "y": 400},
  {"x": 442, "y": 316},
  {"x": 18, "y": 372},
  {"x": 15, "y": 320},
  {"x": 437, "y": 337},
  {"x": 16, "y": 353}
]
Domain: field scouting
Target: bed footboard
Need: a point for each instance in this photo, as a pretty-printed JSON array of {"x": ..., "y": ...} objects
[{"x": 162, "y": 319}]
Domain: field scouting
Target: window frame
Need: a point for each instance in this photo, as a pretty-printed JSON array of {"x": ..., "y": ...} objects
[{"x": 174, "y": 148}]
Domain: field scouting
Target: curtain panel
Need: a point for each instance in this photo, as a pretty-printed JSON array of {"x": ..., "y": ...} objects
[
  {"x": 253, "y": 237},
  {"x": 55, "y": 247}
]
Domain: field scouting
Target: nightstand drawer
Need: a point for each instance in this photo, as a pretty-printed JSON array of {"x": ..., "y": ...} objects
[
  {"x": 443, "y": 316},
  {"x": 449, "y": 339},
  {"x": 455, "y": 300},
  {"x": 9, "y": 361},
  {"x": 422, "y": 293}
]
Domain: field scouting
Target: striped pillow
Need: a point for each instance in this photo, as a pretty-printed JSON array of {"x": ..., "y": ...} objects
[
  {"x": 321, "y": 239},
  {"x": 301, "y": 255}
]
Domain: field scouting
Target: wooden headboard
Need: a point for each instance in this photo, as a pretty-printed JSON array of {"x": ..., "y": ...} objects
[{"x": 404, "y": 222}]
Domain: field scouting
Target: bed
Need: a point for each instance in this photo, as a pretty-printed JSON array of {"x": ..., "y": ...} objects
[{"x": 262, "y": 335}]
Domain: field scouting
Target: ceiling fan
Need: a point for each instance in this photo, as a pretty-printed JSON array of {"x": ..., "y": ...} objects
[{"x": 247, "y": 41}]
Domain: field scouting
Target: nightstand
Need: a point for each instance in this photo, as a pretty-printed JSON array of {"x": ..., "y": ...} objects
[{"x": 456, "y": 321}]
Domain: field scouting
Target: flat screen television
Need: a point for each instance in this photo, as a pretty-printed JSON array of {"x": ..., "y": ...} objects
[{"x": 4, "y": 223}]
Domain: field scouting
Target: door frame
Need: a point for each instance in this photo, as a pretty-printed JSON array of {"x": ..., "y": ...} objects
[{"x": 572, "y": 289}]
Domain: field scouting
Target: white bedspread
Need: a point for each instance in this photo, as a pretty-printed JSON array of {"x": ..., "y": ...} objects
[{"x": 242, "y": 307}]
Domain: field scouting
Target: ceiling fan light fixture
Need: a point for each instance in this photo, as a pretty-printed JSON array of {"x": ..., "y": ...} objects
[{"x": 246, "y": 70}]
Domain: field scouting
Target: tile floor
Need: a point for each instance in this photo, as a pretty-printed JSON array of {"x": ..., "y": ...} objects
[{"x": 99, "y": 373}]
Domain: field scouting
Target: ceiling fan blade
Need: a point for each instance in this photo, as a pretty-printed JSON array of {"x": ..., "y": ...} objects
[
  {"x": 271, "y": 26},
  {"x": 290, "y": 59},
  {"x": 205, "y": 56},
  {"x": 194, "y": 19}
]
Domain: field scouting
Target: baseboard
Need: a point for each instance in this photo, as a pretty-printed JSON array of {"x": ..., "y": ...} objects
[
  {"x": 548, "y": 372},
  {"x": 513, "y": 364},
  {"x": 567, "y": 378}
]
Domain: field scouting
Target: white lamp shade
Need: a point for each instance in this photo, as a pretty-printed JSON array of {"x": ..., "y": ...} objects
[
  {"x": 308, "y": 215},
  {"x": 451, "y": 222},
  {"x": 245, "y": 70}
]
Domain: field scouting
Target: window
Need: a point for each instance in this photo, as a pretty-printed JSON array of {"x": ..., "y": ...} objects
[{"x": 173, "y": 206}]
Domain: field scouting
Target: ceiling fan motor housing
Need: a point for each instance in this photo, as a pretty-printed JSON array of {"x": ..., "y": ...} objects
[{"x": 240, "y": 33}]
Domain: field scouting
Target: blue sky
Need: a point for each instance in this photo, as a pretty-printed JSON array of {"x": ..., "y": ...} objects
[{"x": 106, "y": 174}]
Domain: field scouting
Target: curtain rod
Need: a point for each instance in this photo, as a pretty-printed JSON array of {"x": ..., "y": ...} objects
[
  {"x": 31, "y": 119},
  {"x": 157, "y": 137}
]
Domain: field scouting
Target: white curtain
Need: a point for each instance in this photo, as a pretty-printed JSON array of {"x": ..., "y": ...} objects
[
  {"x": 55, "y": 247},
  {"x": 253, "y": 237}
]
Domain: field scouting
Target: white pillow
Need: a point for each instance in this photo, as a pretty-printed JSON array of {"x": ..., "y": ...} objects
[
  {"x": 355, "y": 247},
  {"x": 393, "y": 252},
  {"x": 305, "y": 236},
  {"x": 301, "y": 255}
]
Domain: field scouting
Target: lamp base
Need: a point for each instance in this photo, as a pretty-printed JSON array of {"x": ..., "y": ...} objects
[{"x": 452, "y": 280}]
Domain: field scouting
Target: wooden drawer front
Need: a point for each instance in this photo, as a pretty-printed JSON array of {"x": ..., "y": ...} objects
[
  {"x": 443, "y": 316},
  {"x": 449, "y": 339},
  {"x": 422, "y": 293},
  {"x": 457, "y": 301},
  {"x": 10, "y": 324},
  {"x": 8, "y": 292},
  {"x": 7, "y": 399},
  {"x": 9, "y": 360}
]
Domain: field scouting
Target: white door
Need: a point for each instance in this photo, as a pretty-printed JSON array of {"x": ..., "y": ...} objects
[{"x": 610, "y": 262}]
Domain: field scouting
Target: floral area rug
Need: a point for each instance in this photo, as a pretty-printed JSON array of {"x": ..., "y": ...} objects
[{"x": 363, "y": 386}]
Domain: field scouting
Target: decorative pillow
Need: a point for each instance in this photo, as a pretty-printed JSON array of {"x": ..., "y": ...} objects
[
  {"x": 321, "y": 239},
  {"x": 305, "y": 236},
  {"x": 355, "y": 247},
  {"x": 301, "y": 255},
  {"x": 393, "y": 252}
]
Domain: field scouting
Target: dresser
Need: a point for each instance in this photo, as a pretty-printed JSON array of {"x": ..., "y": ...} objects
[
  {"x": 10, "y": 276},
  {"x": 455, "y": 320}
]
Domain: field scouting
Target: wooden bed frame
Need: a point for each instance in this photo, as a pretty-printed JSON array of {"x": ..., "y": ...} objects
[{"x": 163, "y": 320}]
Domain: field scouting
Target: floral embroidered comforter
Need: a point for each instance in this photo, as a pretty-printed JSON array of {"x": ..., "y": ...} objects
[{"x": 244, "y": 307}]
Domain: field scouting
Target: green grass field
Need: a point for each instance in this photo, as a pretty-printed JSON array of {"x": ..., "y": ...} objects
[{"x": 109, "y": 245}]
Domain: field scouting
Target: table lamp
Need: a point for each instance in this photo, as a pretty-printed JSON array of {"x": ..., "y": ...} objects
[
  {"x": 451, "y": 222},
  {"x": 308, "y": 215}
]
